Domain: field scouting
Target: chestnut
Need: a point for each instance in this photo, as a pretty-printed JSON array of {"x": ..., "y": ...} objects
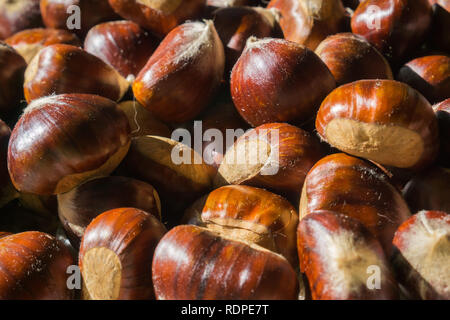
[
  {"x": 277, "y": 80},
  {"x": 430, "y": 75},
  {"x": 7, "y": 191},
  {"x": 191, "y": 262},
  {"x": 56, "y": 70},
  {"x": 12, "y": 70},
  {"x": 443, "y": 115},
  {"x": 395, "y": 28},
  {"x": 116, "y": 255},
  {"x": 253, "y": 215},
  {"x": 275, "y": 156},
  {"x": 56, "y": 14},
  {"x": 18, "y": 15},
  {"x": 381, "y": 120},
  {"x": 191, "y": 51},
  {"x": 424, "y": 254},
  {"x": 337, "y": 253},
  {"x": 34, "y": 266},
  {"x": 174, "y": 169},
  {"x": 236, "y": 24},
  {"x": 142, "y": 121},
  {"x": 358, "y": 189},
  {"x": 428, "y": 190},
  {"x": 350, "y": 58},
  {"x": 159, "y": 16},
  {"x": 78, "y": 207},
  {"x": 308, "y": 22},
  {"x": 63, "y": 140},
  {"x": 28, "y": 42},
  {"x": 121, "y": 44}
]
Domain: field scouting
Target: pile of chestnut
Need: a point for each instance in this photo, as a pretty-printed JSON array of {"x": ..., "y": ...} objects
[{"x": 356, "y": 93}]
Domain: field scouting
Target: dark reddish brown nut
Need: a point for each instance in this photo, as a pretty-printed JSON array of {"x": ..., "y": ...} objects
[
  {"x": 7, "y": 191},
  {"x": 236, "y": 24},
  {"x": 429, "y": 190},
  {"x": 275, "y": 156},
  {"x": 116, "y": 255},
  {"x": 57, "y": 14},
  {"x": 255, "y": 216},
  {"x": 339, "y": 255},
  {"x": 61, "y": 141},
  {"x": 56, "y": 69},
  {"x": 440, "y": 25},
  {"x": 395, "y": 28},
  {"x": 29, "y": 42},
  {"x": 191, "y": 262},
  {"x": 12, "y": 69},
  {"x": 191, "y": 51},
  {"x": 78, "y": 207},
  {"x": 443, "y": 115},
  {"x": 175, "y": 170},
  {"x": 350, "y": 58},
  {"x": 422, "y": 262},
  {"x": 381, "y": 120},
  {"x": 121, "y": 44},
  {"x": 34, "y": 267},
  {"x": 308, "y": 22},
  {"x": 17, "y": 15},
  {"x": 358, "y": 189},
  {"x": 429, "y": 75},
  {"x": 276, "y": 80},
  {"x": 142, "y": 121},
  {"x": 159, "y": 16}
]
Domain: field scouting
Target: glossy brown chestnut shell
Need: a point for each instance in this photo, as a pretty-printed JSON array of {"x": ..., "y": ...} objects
[
  {"x": 43, "y": 157},
  {"x": 277, "y": 80},
  {"x": 34, "y": 267},
  {"x": 194, "y": 263},
  {"x": 358, "y": 189},
  {"x": 381, "y": 120},
  {"x": 116, "y": 254}
]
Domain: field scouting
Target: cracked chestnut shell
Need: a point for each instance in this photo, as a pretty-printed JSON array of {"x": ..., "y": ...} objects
[
  {"x": 116, "y": 255},
  {"x": 34, "y": 267},
  {"x": 381, "y": 120},
  {"x": 195, "y": 263},
  {"x": 61, "y": 141},
  {"x": 358, "y": 189}
]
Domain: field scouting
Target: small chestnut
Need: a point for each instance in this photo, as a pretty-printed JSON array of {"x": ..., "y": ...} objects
[
  {"x": 57, "y": 14},
  {"x": 78, "y": 207},
  {"x": 350, "y": 58},
  {"x": 116, "y": 255},
  {"x": 63, "y": 140},
  {"x": 191, "y": 52},
  {"x": 275, "y": 156},
  {"x": 395, "y": 28},
  {"x": 29, "y": 42},
  {"x": 142, "y": 121},
  {"x": 277, "y": 80},
  {"x": 12, "y": 70},
  {"x": 17, "y": 15},
  {"x": 358, "y": 189},
  {"x": 191, "y": 262},
  {"x": 428, "y": 190},
  {"x": 381, "y": 120},
  {"x": 430, "y": 75},
  {"x": 308, "y": 22},
  {"x": 159, "y": 16},
  {"x": 34, "y": 267},
  {"x": 423, "y": 257},
  {"x": 56, "y": 69},
  {"x": 337, "y": 253},
  {"x": 121, "y": 44}
]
